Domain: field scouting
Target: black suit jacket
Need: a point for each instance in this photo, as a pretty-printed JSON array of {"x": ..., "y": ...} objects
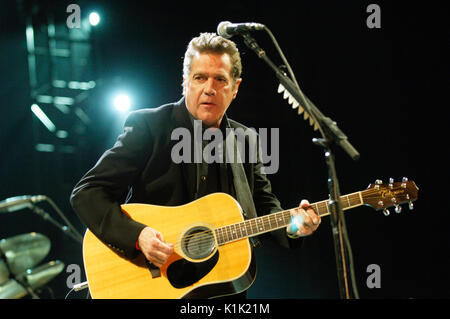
[{"x": 139, "y": 169}]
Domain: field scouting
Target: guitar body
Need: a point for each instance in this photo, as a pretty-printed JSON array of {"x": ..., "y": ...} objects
[{"x": 199, "y": 267}]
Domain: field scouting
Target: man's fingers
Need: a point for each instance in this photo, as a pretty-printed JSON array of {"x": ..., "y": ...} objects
[
  {"x": 159, "y": 256},
  {"x": 312, "y": 218},
  {"x": 159, "y": 236},
  {"x": 304, "y": 203},
  {"x": 153, "y": 246},
  {"x": 163, "y": 247}
]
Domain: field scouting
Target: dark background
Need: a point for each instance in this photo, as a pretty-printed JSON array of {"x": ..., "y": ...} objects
[{"x": 384, "y": 87}]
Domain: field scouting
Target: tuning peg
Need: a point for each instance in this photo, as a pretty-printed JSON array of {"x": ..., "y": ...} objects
[
  {"x": 281, "y": 88},
  {"x": 398, "y": 209},
  {"x": 378, "y": 182},
  {"x": 404, "y": 180},
  {"x": 386, "y": 212},
  {"x": 410, "y": 204}
]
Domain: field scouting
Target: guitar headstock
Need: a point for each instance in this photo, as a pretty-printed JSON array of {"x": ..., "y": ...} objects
[{"x": 382, "y": 196}]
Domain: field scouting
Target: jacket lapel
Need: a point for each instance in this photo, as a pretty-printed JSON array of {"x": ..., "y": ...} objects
[{"x": 189, "y": 170}]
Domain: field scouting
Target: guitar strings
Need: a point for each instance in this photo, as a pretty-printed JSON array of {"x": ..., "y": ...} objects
[
  {"x": 265, "y": 223},
  {"x": 206, "y": 237},
  {"x": 203, "y": 237}
]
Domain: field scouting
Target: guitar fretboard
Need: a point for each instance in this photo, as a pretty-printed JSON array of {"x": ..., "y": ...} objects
[{"x": 270, "y": 222}]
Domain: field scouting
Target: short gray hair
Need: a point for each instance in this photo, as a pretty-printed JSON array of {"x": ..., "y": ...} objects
[{"x": 213, "y": 43}]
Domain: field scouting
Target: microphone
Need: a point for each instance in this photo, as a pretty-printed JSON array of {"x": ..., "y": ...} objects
[
  {"x": 16, "y": 203},
  {"x": 227, "y": 29}
]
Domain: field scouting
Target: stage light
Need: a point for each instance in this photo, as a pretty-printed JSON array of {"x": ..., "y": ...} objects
[
  {"x": 43, "y": 118},
  {"x": 122, "y": 102},
  {"x": 94, "y": 18}
]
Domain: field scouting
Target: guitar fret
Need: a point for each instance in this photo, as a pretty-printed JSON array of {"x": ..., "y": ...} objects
[
  {"x": 264, "y": 221},
  {"x": 280, "y": 218},
  {"x": 233, "y": 232},
  {"x": 224, "y": 239},
  {"x": 286, "y": 217},
  {"x": 260, "y": 226},
  {"x": 322, "y": 208},
  {"x": 243, "y": 226},
  {"x": 238, "y": 231},
  {"x": 248, "y": 228},
  {"x": 228, "y": 231},
  {"x": 316, "y": 208},
  {"x": 253, "y": 227},
  {"x": 352, "y": 200},
  {"x": 348, "y": 200},
  {"x": 219, "y": 236},
  {"x": 272, "y": 221}
]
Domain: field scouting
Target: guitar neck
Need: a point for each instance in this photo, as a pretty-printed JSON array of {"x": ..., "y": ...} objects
[{"x": 260, "y": 225}]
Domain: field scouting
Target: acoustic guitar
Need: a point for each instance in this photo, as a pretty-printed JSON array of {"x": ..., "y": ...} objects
[{"x": 212, "y": 255}]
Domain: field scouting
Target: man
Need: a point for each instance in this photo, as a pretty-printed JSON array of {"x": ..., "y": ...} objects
[{"x": 140, "y": 167}]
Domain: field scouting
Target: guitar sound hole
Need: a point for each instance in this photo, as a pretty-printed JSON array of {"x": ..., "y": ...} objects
[{"x": 198, "y": 242}]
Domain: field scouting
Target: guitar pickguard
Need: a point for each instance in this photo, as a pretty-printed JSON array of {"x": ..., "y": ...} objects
[{"x": 183, "y": 273}]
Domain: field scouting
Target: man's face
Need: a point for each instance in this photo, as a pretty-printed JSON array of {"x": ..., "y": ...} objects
[{"x": 209, "y": 87}]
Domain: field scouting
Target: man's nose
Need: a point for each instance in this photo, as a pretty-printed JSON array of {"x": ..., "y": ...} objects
[{"x": 209, "y": 87}]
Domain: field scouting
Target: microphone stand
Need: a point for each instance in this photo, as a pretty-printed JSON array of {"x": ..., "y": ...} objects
[
  {"x": 331, "y": 136},
  {"x": 68, "y": 230}
]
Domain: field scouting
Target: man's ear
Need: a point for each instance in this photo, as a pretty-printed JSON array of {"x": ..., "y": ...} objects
[{"x": 236, "y": 87}]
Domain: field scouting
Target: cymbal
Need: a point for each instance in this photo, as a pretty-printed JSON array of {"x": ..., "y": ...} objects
[
  {"x": 4, "y": 272},
  {"x": 39, "y": 276},
  {"x": 12, "y": 290},
  {"x": 24, "y": 251}
]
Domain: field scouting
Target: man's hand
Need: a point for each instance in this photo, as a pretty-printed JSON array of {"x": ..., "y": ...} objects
[
  {"x": 153, "y": 246},
  {"x": 304, "y": 221}
]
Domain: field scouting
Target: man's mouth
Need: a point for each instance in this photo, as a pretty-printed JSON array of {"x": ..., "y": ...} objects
[{"x": 208, "y": 104}]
